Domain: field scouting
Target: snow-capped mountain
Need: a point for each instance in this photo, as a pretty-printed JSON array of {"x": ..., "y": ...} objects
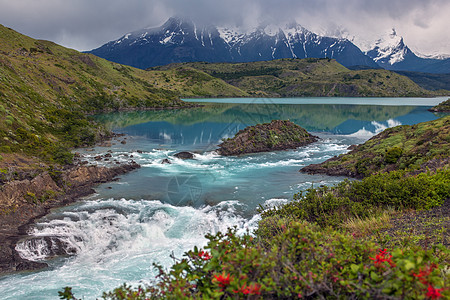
[
  {"x": 392, "y": 53},
  {"x": 389, "y": 51},
  {"x": 181, "y": 40}
]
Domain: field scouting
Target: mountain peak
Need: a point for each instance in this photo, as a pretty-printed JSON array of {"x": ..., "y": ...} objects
[
  {"x": 389, "y": 50},
  {"x": 179, "y": 39}
]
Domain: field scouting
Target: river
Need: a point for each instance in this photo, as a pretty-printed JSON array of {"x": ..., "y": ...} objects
[{"x": 115, "y": 235}]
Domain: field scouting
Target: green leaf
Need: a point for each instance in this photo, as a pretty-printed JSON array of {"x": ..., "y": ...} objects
[
  {"x": 355, "y": 268},
  {"x": 374, "y": 276},
  {"x": 409, "y": 265}
]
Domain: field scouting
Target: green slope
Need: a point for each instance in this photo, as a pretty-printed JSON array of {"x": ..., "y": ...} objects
[
  {"x": 47, "y": 90},
  {"x": 425, "y": 145},
  {"x": 307, "y": 77}
]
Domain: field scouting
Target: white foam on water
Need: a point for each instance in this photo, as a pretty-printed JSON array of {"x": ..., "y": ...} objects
[
  {"x": 34, "y": 250},
  {"x": 271, "y": 203},
  {"x": 117, "y": 241},
  {"x": 289, "y": 162}
]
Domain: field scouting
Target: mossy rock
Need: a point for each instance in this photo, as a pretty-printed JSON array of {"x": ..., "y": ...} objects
[{"x": 276, "y": 135}]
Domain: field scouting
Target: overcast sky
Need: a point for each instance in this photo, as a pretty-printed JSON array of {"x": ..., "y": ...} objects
[{"x": 87, "y": 24}]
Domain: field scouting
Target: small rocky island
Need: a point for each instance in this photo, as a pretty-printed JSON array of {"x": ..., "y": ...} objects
[{"x": 276, "y": 135}]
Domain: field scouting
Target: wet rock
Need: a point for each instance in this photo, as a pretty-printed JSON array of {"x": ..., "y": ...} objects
[
  {"x": 69, "y": 185},
  {"x": 108, "y": 155},
  {"x": 184, "y": 155},
  {"x": 106, "y": 144},
  {"x": 98, "y": 157},
  {"x": 166, "y": 161},
  {"x": 123, "y": 142},
  {"x": 352, "y": 147},
  {"x": 139, "y": 151}
]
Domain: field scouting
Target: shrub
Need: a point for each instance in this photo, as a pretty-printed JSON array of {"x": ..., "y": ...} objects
[
  {"x": 393, "y": 154},
  {"x": 331, "y": 206},
  {"x": 303, "y": 262}
]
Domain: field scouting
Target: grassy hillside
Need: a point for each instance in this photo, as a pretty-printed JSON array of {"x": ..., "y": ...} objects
[
  {"x": 429, "y": 81},
  {"x": 424, "y": 145},
  {"x": 306, "y": 77},
  {"x": 47, "y": 90},
  {"x": 189, "y": 82}
]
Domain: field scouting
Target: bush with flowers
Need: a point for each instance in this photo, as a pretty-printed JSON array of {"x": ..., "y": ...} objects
[
  {"x": 300, "y": 261},
  {"x": 296, "y": 253}
]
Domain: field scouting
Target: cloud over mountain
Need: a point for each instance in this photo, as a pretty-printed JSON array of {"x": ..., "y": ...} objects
[{"x": 85, "y": 24}]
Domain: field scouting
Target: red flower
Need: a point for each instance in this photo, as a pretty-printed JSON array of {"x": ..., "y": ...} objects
[
  {"x": 424, "y": 273},
  {"x": 433, "y": 293},
  {"x": 252, "y": 289},
  {"x": 204, "y": 255},
  {"x": 223, "y": 280},
  {"x": 382, "y": 257}
]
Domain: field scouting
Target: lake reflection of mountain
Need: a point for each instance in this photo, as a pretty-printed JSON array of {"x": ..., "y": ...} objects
[{"x": 342, "y": 119}]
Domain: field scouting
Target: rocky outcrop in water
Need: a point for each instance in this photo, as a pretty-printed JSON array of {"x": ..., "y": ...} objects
[
  {"x": 184, "y": 155},
  {"x": 276, "y": 135},
  {"x": 22, "y": 201}
]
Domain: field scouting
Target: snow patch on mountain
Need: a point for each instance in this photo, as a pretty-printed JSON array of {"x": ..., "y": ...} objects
[
  {"x": 231, "y": 35},
  {"x": 390, "y": 49}
]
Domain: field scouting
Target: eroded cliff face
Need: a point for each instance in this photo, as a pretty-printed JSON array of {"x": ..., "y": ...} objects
[{"x": 22, "y": 201}]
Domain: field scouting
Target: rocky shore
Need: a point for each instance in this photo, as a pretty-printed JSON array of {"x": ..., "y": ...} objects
[
  {"x": 442, "y": 107},
  {"x": 23, "y": 201},
  {"x": 276, "y": 135}
]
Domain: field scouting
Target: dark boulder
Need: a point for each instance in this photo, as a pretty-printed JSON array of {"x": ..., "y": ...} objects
[{"x": 184, "y": 155}]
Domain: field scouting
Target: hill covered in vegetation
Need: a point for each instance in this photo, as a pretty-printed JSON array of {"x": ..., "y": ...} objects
[
  {"x": 421, "y": 146},
  {"x": 47, "y": 90},
  {"x": 311, "y": 77}
]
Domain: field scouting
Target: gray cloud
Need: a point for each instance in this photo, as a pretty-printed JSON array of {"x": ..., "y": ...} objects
[{"x": 86, "y": 24}]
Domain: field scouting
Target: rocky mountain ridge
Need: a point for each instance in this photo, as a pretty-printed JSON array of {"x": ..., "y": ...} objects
[{"x": 181, "y": 40}]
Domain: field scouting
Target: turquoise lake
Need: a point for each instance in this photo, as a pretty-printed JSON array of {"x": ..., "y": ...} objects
[{"x": 115, "y": 235}]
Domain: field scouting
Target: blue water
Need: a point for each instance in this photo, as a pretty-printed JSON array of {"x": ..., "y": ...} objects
[{"x": 149, "y": 213}]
